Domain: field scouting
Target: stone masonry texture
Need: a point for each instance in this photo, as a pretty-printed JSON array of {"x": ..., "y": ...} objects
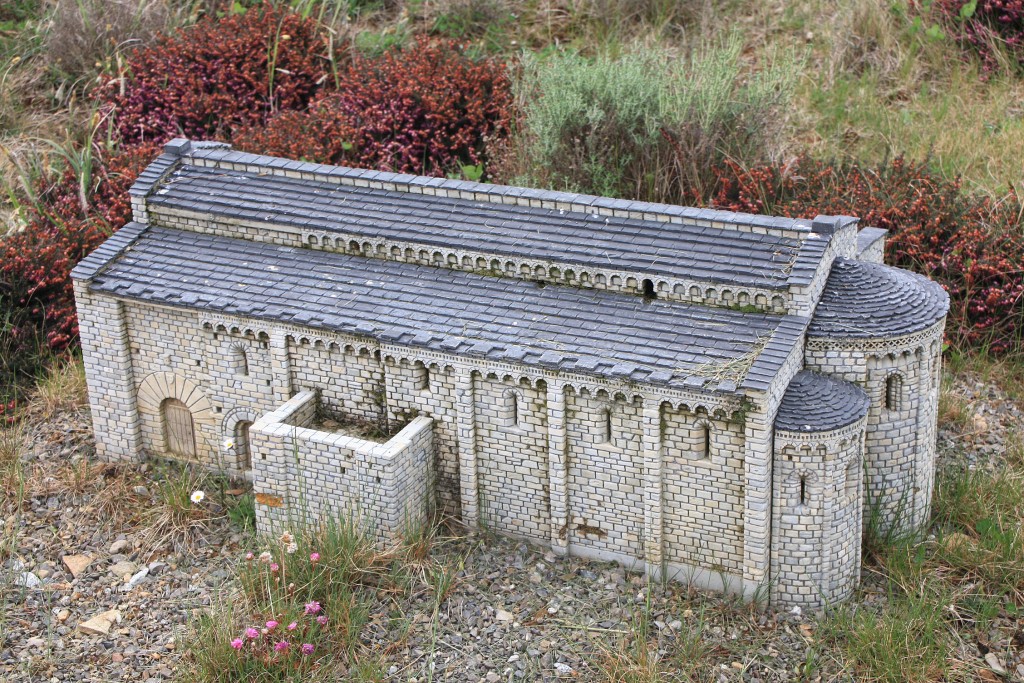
[{"x": 710, "y": 397}]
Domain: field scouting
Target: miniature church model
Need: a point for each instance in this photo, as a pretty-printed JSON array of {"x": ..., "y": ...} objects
[{"x": 711, "y": 397}]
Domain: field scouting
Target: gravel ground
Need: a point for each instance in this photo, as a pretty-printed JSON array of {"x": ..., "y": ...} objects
[
  {"x": 519, "y": 613},
  {"x": 40, "y": 637},
  {"x": 515, "y": 612}
]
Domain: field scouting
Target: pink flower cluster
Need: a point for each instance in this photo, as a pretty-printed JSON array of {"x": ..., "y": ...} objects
[{"x": 269, "y": 638}]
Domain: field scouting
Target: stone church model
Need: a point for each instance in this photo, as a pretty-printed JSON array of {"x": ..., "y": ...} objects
[{"x": 718, "y": 398}]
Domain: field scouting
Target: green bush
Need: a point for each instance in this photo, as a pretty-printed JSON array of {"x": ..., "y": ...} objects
[{"x": 644, "y": 126}]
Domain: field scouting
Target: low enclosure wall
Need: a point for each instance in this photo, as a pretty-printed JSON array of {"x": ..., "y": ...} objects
[{"x": 300, "y": 471}]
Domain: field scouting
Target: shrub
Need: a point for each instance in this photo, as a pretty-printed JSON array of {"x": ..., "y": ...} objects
[
  {"x": 428, "y": 109},
  {"x": 36, "y": 262},
  {"x": 207, "y": 80},
  {"x": 643, "y": 127},
  {"x": 971, "y": 244},
  {"x": 992, "y": 28}
]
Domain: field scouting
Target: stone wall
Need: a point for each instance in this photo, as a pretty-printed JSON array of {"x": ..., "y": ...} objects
[
  {"x": 871, "y": 245},
  {"x": 901, "y": 424},
  {"x": 307, "y": 475},
  {"x": 841, "y": 243},
  {"x": 350, "y": 381},
  {"x": 417, "y": 388},
  {"x": 703, "y": 491},
  {"x": 604, "y": 456},
  {"x": 817, "y": 509},
  {"x": 589, "y": 467},
  {"x": 231, "y": 370},
  {"x": 109, "y": 375},
  {"x": 512, "y": 457}
]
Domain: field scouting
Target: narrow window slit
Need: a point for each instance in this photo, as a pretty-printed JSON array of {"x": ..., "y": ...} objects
[
  {"x": 893, "y": 392},
  {"x": 606, "y": 435}
]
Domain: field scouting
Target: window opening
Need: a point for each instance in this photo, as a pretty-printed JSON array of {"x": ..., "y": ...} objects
[
  {"x": 421, "y": 376},
  {"x": 649, "y": 292},
  {"x": 606, "y": 426},
  {"x": 893, "y": 392},
  {"x": 240, "y": 360}
]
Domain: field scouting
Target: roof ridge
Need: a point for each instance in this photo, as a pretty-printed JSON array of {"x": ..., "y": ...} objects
[
  {"x": 651, "y": 343},
  {"x": 218, "y": 154}
]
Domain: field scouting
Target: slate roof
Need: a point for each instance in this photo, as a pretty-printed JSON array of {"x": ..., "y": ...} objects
[
  {"x": 111, "y": 248},
  {"x": 866, "y": 237},
  {"x": 688, "y": 251},
  {"x": 816, "y": 403},
  {"x": 503, "y": 319},
  {"x": 871, "y": 300},
  {"x": 220, "y": 153}
]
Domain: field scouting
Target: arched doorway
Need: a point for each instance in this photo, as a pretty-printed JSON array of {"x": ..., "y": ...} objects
[
  {"x": 179, "y": 428},
  {"x": 242, "y": 444},
  {"x": 161, "y": 431}
]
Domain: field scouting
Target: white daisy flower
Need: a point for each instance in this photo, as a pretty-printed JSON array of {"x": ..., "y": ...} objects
[
  {"x": 197, "y": 497},
  {"x": 229, "y": 444}
]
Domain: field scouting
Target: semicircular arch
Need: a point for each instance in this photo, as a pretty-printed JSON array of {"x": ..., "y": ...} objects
[{"x": 157, "y": 387}]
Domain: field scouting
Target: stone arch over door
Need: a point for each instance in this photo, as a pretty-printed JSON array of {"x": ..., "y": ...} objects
[
  {"x": 157, "y": 388},
  {"x": 229, "y": 432}
]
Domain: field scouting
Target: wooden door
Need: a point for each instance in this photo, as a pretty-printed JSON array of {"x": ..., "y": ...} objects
[{"x": 179, "y": 430}]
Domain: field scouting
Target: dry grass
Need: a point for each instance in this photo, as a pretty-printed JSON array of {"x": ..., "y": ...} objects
[
  {"x": 587, "y": 25},
  {"x": 173, "y": 519},
  {"x": 12, "y": 441},
  {"x": 62, "y": 388},
  {"x": 85, "y": 38},
  {"x": 877, "y": 86},
  {"x": 956, "y": 411}
]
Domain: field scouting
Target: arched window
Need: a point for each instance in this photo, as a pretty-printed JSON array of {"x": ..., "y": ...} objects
[
  {"x": 421, "y": 376},
  {"x": 239, "y": 360},
  {"x": 606, "y": 425},
  {"x": 513, "y": 411},
  {"x": 242, "y": 444},
  {"x": 803, "y": 489},
  {"x": 179, "y": 430},
  {"x": 649, "y": 292},
  {"x": 893, "y": 392},
  {"x": 702, "y": 438}
]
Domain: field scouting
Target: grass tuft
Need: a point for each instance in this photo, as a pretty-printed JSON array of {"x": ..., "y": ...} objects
[
  {"x": 332, "y": 571},
  {"x": 61, "y": 388},
  {"x": 175, "y": 519}
]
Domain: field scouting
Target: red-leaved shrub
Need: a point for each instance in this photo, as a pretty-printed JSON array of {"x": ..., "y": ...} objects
[
  {"x": 204, "y": 81},
  {"x": 971, "y": 244},
  {"x": 986, "y": 26},
  {"x": 427, "y": 109},
  {"x": 35, "y": 263}
]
